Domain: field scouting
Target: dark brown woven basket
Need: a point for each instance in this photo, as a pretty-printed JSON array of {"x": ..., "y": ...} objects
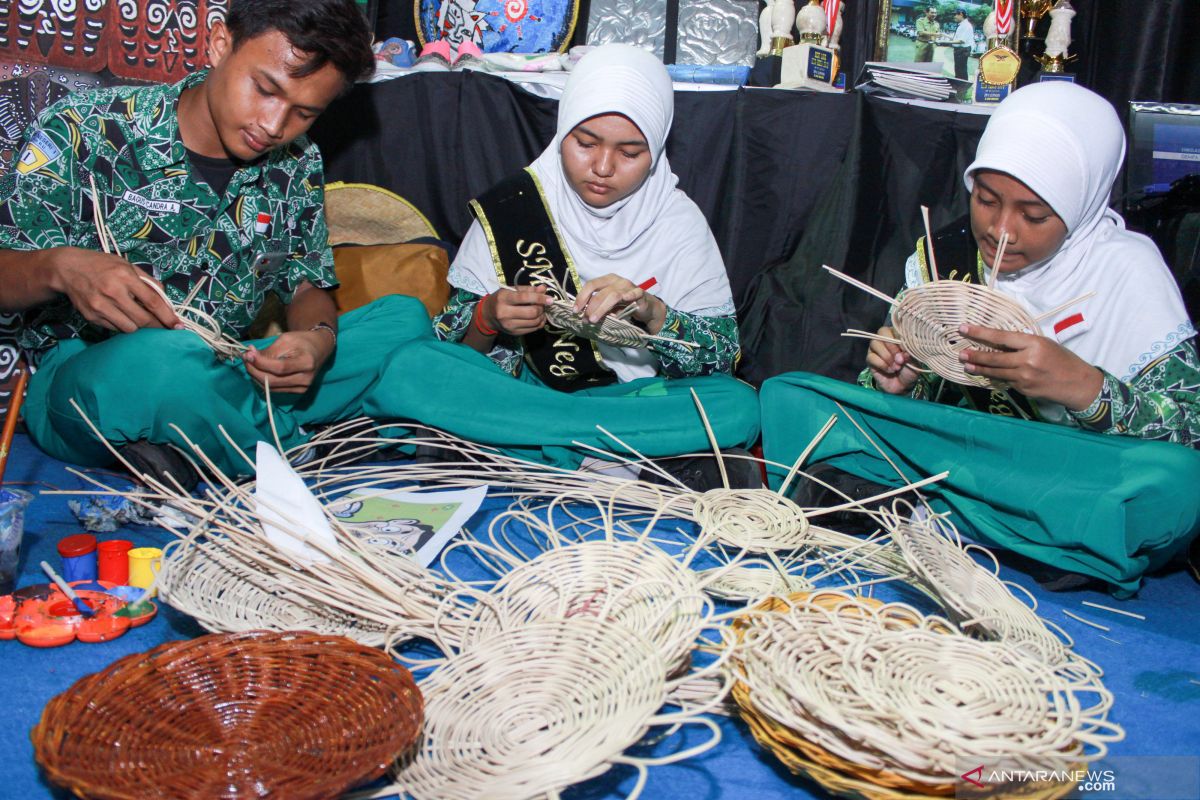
[{"x": 288, "y": 715}]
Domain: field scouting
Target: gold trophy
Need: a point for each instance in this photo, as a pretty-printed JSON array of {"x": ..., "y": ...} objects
[{"x": 1031, "y": 12}]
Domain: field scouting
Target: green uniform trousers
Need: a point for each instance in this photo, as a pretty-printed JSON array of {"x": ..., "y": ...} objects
[
  {"x": 454, "y": 388},
  {"x": 1105, "y": 506},
  {"x": 134, "y": 386}
]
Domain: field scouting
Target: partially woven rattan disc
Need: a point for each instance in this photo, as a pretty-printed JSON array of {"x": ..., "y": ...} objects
[
  {"x": 533, "y": 710},
  {"x": 635, "y": 584},
  {"x": 928, "y": 317},
  {"x": 257, "y": 714},
  {"x": 609, "y": 329}
]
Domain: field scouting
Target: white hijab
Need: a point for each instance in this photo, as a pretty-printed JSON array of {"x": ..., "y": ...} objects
[
  {"x": 1066, "y": 144},
  {"x": 656, "y": 232}
]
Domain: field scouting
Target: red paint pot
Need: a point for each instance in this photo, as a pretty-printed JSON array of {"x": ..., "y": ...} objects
[{"x": 112, "y": 561}]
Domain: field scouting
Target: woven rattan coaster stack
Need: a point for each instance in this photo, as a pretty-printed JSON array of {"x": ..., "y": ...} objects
[
  {"x": 875, "y": 700},
  {"x": 257, "y": 714}
]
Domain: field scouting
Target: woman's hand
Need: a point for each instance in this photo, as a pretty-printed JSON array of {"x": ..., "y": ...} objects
[
  {"x": 516, "y": 311},
  {"x": 1035, "y": 366},
  {"x": 610, "y": 293},
  {"x": 890, "y": 365}
]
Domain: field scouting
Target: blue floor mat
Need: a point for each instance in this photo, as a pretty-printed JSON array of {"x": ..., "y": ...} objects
[{"x": 1152, "y": 667}]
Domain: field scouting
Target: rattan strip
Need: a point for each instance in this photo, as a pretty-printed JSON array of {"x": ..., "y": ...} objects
[{"x": 294, "y": 715}]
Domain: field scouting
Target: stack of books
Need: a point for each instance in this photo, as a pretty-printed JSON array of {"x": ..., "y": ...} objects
[{"x": 916, "y": 81}]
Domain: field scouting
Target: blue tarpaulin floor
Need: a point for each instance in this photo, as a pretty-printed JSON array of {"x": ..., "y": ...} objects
[{"x": 1151, "y": 666}]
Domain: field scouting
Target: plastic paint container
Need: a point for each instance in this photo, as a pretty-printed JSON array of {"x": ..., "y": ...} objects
[
  {"x": 112, "y": 561},
  {"x": 143, "y": 567},
  {"x": 12, "y": 528},
  {"x": 78, "y": 554}
]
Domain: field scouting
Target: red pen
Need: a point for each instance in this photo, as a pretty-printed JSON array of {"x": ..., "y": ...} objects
[{"x": 645, "y": 285}]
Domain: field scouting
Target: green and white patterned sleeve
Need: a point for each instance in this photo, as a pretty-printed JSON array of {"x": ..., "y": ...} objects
[
  {"x": 451, "y": 326},
  {"x": 717, "y": 345},
  {"x": 1162, "y": 402}
]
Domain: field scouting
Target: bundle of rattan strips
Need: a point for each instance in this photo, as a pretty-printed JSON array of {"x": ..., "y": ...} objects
[
  {"x": 915, "y": 700},
  {"x": 534, "y": 709},
  {"x": 361, "y": 592},
  {"x": 193, "y": 319}
]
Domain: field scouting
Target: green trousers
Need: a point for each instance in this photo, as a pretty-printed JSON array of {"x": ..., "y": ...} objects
[
  {"x": 134, "y": 386},
  {"x": 1106, "y": 506},
  {"x": 454, "y": 388}
]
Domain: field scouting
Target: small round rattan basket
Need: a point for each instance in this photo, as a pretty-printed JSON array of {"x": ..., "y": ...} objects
[{"x": 256, "y": 714}]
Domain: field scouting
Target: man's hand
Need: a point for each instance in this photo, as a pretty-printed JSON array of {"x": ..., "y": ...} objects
[
  {"x": 517, "y": 311},
  {"x": 1035, "y": 366},
  {"x": 291, "y": 362},
  {"x": 109, "y": 291},
  {"x": 890, "y": 365},
  {"x": 608, "y": 293}
]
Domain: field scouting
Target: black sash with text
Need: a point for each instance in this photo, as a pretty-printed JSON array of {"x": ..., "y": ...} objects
[{"x": 528, "y": 250}]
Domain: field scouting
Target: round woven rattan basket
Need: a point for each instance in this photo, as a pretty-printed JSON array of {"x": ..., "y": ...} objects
[
  {"x": 255, "y": 714},
  {"x": 834, "y": 773},
  {"x": 927, "y": 321}
]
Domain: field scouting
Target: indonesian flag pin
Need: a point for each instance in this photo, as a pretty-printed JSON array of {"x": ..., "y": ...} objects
[{"x": 263, "y": 224}]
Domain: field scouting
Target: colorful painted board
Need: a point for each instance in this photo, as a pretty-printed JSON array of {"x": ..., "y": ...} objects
[
  {"x": 161, "y": 40},
  {"x": 499, "y": 26},
  {"x": 67, "y": 34}
]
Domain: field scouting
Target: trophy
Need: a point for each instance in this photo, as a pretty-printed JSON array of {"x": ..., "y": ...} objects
[
  {"x": 998, "y": 67},
  {"x": 775, "y": 24},
  {"x": 1058, "y": 39},
  {"x": 1031, "y": 12},
  {"x": 813, "y": 62}
]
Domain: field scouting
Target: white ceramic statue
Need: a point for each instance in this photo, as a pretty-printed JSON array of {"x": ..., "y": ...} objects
[
  {"x": 989, "y": 27},
  {"x": 775, "y": 22},
  {"x": 833, "y": 43},
  {"x": 811, "y": 23},
  {"x": 1058, "y": 38}
]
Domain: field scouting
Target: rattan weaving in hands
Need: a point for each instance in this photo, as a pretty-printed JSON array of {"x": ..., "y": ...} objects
[
  {"x": 611, "y": 329},
  {"x": 201, "y": 322},
  {"x": 905, "y": 698},
  {"x": 294, "y": 715}
]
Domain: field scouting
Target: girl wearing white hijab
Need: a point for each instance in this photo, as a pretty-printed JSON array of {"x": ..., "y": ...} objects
[
  {"x": 1120, "y": 362},
  {"x": 601, "y": 211},
  {"x": 609, "y": 189}
]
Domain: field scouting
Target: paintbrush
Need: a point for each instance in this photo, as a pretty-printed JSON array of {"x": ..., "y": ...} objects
[
  {"x": 78, "y": 601},
  {"x": 10, "y": 421}
]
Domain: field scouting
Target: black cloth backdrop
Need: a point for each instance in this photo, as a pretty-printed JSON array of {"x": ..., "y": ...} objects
[
  {"x": 754, "y": 161},
  {"x": 1128, "y": 49},
  {"x": 787, "y": 180}
]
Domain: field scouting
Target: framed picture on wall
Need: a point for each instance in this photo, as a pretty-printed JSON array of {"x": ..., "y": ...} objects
[{"x": 946, "y": 34}]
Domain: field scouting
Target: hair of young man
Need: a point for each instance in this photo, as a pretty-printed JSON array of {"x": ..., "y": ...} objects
[{"x": 327, "y": 31}]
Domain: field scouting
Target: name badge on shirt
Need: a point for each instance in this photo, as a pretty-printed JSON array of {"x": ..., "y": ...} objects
[{"x": 39, "y": 151}]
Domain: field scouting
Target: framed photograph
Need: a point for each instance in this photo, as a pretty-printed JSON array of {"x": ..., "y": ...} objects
[{"x": 946, "y": 34}]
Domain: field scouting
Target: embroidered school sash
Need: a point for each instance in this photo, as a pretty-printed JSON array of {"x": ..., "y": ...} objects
[
  {"x": 958, "y": 259},
  {"x": 526, "y": 249}
]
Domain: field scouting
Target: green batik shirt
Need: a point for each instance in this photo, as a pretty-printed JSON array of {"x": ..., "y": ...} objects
[
  {"x": 266, "y": 232},
  {"x": 716, "y": 339}
]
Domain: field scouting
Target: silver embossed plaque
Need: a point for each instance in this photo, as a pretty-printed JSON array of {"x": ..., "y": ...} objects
[
  {"x": 638, "y": 22},
  {"x": 717, "y": 32}
]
